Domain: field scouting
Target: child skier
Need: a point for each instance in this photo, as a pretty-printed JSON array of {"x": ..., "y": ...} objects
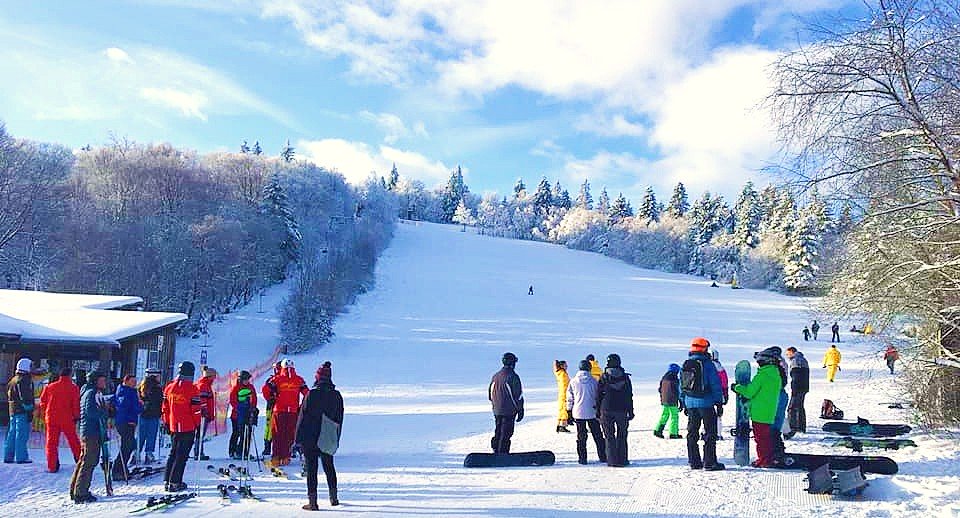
[
  {"x": 764, "y": 394},
  {"x": 670, "y": 401}
]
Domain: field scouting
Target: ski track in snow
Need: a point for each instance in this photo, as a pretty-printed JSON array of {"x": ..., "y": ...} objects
[{"x": 413, "y": 358}]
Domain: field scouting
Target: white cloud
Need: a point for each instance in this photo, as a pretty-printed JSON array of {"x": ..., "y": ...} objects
[
  {"x": 118, "y": 55},
  {"x": 606, "y": 125},
  {"x": 190, "y": 104},
  {"x": 393, "y": 126},
  {"x": 356, "y": 160}
]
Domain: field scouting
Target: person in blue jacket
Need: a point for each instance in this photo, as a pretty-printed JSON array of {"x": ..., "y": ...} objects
[
  {"x": 128, "y": 405},
  {"x": 702, "y": 398}
]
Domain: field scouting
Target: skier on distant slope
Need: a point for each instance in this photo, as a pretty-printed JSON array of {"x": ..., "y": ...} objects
[
  {"x": 563, "y": 380},
  {"x": 290, "y": 389},
  {"x": 616, "y": 410},
  {"x": 702, "y": 401},
  {"x": 506, "y": 395}
]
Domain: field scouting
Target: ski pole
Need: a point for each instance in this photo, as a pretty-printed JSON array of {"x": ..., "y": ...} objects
[{"x": 256, "y": 451}]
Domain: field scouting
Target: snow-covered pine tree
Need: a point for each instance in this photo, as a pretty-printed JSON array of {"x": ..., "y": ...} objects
[
  {"x": 464, "y": 216},
  {"x": 244, "y": 148},
  {"x": 747, "y": 216},
  {"x": 649, "y": 208},
  {"x": 556, "y": 194},
  {"x": 584, "y": 198},
  {"x": 288, "y": 152},
  {"x": 565, "y": 202},
  {"x": 275, "y": 205},
  {"x": 620, "y": 209},
  {"x": 394, "y": 178},
  {"x": 452, "y": 194},
  {"x": 542, "y": 198},
  {"x": 519, "y": 189},
  {"x": 257, "y": 150},
  {"x": 679, "y": 205},
  {"x": 802, "y": 249},
  {"x": 603, "y": 204},
  {"x": 704, "y": 222}
]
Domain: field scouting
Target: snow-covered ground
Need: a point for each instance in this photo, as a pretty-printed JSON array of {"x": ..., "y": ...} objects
[{"x": 413, "y": 358}]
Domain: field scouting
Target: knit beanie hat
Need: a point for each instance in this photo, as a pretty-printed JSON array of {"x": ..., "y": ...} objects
[
  {"x": 325, "y": 373},
  {"x": 244, "y": 376},
  {"x": 585, "y": 365},
  {"x": 613, "y": 360},
  {"x": 186, "y": 370},
  {"x": 24, "y": 365},
  {"x": 674, "y": 368}
]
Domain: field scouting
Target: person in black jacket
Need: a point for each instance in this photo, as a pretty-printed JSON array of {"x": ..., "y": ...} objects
[
  {"x": 151, "y": 394},
  {"x": 616, "y": 409},
  {"x": 799, "y": 386},
  {"x": 506, "y": 394},
  {"x": 323, "y": 400}
]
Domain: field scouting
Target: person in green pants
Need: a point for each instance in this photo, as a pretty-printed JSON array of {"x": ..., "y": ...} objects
[{"x": 670, "y": 400}]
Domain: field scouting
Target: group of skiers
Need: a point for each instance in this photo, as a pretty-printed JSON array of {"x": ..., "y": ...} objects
[{"x": 184, "y": 409}]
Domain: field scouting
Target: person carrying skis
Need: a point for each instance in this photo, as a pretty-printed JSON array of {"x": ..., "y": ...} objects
[
  {"x": 563, "y": 381},
  {"x": 891, "y": 356},
  {"x": 835, "y": 330},
  {"x": 583, "y": 393},
  {"x": 595, "y": 369},
  {"x": 151, "y": 394},
  {"x": 91, "y": 431},
  {"x": 60, "y": 407},
  {"x": 20, "y": 408},
  {"x": 505, "y": 393},
  {"x": 181, "y": 413},
  {"x": 763, "y": 391},
  {"x": 128, "y": 409},
  {"x": 208, "y": 409},
  {"x": 702, "y": 397},
  {"x": 616, "y": 410},
  {"x": 318, "y": 429},
  {"x": 815, "y": 328},
  {"x": 243, "y": 398},
  {"x": 799, "y": 386},
  {"x": 670, "y": 401},
  {"x": 290, "y": 388},
  {"x": 724, "y": 388},
  {"x": 269, "y": 391},
  {"x": 831, "y": 362}
]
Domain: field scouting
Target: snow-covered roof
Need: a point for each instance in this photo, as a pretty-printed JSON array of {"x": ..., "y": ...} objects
[{"x": 42, "y": 317}]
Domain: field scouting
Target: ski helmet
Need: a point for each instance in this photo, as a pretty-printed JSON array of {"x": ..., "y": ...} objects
[
  {"x": 244, "y": 375},
  {"x": 766, "y": 357},
  {"x": 186, "y": 370},
  {"x": 509, "y": 359},
  {"x": 24, "y": 365},
  {"x": 699, "y": 345},
  {"x": 287, "y": 363},
  {"x": 613, "y": 360},
  {"x": 674, "y": 368}
]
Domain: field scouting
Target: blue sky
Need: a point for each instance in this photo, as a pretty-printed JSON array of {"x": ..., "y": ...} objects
[{"x": 625, "y": 93}]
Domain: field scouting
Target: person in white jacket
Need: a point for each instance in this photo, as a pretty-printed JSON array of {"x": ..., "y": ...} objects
[{"x": 583, "y": 394}]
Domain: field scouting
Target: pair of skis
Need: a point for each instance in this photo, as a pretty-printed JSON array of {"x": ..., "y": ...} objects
[{"x": 157, "y": 503}]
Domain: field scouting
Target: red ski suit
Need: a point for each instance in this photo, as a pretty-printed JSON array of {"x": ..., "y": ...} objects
[
  {"x": 60, "y": 407},
  {"x": 290, "y": 389},
  {"x": 181, "y": 406}
]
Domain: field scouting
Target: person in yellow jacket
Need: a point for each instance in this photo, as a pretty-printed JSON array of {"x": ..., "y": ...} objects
[
  {"x": 831, "y": 362},
  {"x": 595, "y": 369},
  {"x": 563, "y": 381}
]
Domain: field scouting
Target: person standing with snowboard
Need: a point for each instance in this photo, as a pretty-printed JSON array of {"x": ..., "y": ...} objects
[
  {"x": 243, "y": 398},
  {"x": 831, "y": 362},
  {"x": 763, "y": 391},
  {"x": 582, "y": 397},
  {"x": 799, "y": 386},
  {"x": 290, "y": 388},
  {"x": 60, "y": 406},
  {"x": 151, "y": 394},
  {"x": 702, "y": 398},
  {"x": 616, "y": 410},
  {"x": 563, "y": 381},
  {"x": 181, "y": 413},
  {"x": 90, "y": 428},
  {"x": 670, "y": 402},
  {"x": 318, "y": 434},
  {"x": 20, "y": 408},
  {"x": 128, "y": 406},
  {"x": 506, "y": 395}
]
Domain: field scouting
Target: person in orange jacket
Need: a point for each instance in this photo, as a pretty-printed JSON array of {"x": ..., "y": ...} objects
[
  {"x": 269, "y": 391},
  {"x": 291, "y": 388},
  {"x": 208, "y": 409},
  {"x": 60, "y": 407},
  {"x": 181, "y": 413}
]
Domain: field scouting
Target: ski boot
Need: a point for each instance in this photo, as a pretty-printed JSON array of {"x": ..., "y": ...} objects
[
  {"x": 676, "y": 436},
  {"x": 312, "y": 503},
  {"x": 563, "y": 429},
  {"x": 658, "y": 432}
]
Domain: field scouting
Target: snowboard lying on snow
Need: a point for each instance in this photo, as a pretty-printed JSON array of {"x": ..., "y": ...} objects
[
  {"x": 505, "y": 460},
  {"x": 858, "y": 444},
  {"x": 867, "y": 463},
  {"x": 864, "y": 428}
]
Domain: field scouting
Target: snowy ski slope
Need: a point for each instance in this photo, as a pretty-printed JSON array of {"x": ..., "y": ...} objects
[{"x": 413, "y": 358}]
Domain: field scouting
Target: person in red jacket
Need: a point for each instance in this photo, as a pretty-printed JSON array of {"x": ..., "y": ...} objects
[
  {"x": 243, "y": 404},
  {"x": 290, "y": 389},
  {"x": 208, "y": 409},
  {"x": 269, "y": 391},
  {"x": 60, "y": 407},
  {"x": 181, "y": 413}
]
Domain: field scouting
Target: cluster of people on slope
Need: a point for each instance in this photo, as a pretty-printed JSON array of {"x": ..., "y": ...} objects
[
  {"x": 184, "y": 409},
  {"x": 814, "y": 329}
]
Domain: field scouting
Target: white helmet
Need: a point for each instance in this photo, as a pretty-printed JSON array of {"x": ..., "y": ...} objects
[
  {"x": 286, "y": 363},
  {"x": 24, "y": 365}
]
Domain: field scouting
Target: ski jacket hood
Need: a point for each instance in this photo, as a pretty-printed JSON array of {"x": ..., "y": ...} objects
[
  {"x": 127, "y": 404},
  {"x": 616, "y": 391},
  {"x": 763, "y": 391},
  {"x": 712, "y": 381},
  {"x": 506, "y": 392},
  {"x": 60, "y": 402},
  {"x": 583, "y": 394}
]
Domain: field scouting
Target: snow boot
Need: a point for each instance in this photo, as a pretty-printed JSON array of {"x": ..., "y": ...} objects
[
  {"x": 333, "y": 496},
  {"x": 266, "y": 447},
  {"x": 715, "y": 467},
  {"x": 658, "y": 432},
  {"x": 312, "y": 503},
  {"x": 676, "y": 436},
  {"x": 561, "y": 428}
]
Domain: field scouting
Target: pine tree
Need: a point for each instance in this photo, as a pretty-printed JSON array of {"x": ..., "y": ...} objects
[
  {"x": 704, "y": 219},
  {"x": 257, "y": 150},
  {"x": 620, "y": 210},
  {"x": 818, "y": 209},
  {"x": 453, "y": 194},
  {"x": 542, "y": 198},
  {"x": 747, "y": 216},
  {"x": 464, "y": 216},
  {"x": 519, "y": 189},
  {"x": 244, "y": 148},
  {"x": 556, "y": 194},
  {"x": 802, "y": 249},
  {"x": 584, "y": 198},
  {"x": 603, "y": 204},
  {"x": 275, "y": 205},
  {"x": 288, "y": 153},
  {"x": 649, "y": 208},
  {"x": 679, "y": 205},
  {"x": 565, "y": 202},
  {"x": 394, "y": 178}
]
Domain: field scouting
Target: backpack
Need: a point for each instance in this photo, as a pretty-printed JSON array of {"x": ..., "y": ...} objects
[
  {"x": 830, "y": 411},
  {"x": 692, "y": 378}
]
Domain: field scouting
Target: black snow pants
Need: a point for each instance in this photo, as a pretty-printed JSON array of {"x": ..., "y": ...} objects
[
  {"x": 796, "y": 414},
  {"x": 180, "y": 444},
  {"x": 310, "y": 457},
  {"x": 708, "y": 417},
  {"x": 615, "y": 426},
  {"x": 502, "y": 433},
  {"x": 597, "y": 439}
]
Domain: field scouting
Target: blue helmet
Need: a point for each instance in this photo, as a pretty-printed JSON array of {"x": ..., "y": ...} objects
[{"x": 674, "y": 368}]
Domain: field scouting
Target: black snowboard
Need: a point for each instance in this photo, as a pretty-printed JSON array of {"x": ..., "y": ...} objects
[
  {"x": 867, "y": 463},
  {"x": 858, "y": 444},
  {"x": 506, "y": 460},
  {"x": 864, "y": 428}
]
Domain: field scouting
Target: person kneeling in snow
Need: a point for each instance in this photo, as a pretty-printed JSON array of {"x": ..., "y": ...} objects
[
  {"x": 764, "y": 395},
  {"x": 582, "y": 395}
]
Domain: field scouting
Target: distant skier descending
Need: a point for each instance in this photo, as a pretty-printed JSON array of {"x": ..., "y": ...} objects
[{"x": 506, "y": 395}]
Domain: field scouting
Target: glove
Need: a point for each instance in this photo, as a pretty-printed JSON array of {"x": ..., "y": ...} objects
[
  {"x": 571, "y": 421},
  {"x": 520, "y": 415},
  {"x": 686, "y": 411},
  {"x": 719, "y": 408},
  {"x": 630, "y": 416}
]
